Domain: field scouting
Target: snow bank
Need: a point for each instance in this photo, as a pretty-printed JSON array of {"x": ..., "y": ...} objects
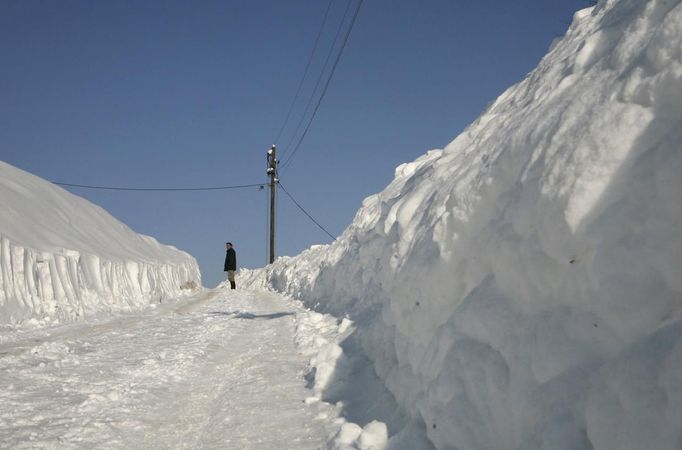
[
  {"x": 61, "y": 257},
  {"x": 522, "y": 288}
]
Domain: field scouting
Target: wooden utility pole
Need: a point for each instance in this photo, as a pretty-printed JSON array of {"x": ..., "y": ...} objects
[{"x": 272, "y": 172}]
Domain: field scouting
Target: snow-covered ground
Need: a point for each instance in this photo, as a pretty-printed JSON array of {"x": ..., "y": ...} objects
[
  {"x": 223, "y": 369},
  {"x": 522, "y": 288},
  {"x": 63, "y": 258}
]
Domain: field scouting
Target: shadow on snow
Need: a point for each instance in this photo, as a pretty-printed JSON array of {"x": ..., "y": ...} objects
[{"x": 248, "y": 315}]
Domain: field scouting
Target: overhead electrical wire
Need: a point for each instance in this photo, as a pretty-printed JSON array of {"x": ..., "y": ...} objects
[
  {"x": 326, "y": 86},
  {"x": 319, "y": 79},
  {"x": 304, "y": 211},
  {"x": 305, "y": 72},
  {"x": 117, "y": 188}
]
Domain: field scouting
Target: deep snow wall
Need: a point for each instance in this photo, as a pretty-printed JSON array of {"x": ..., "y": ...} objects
[
  {"x": 522, "y": 288},
  {"x": 62, "y": 257}
]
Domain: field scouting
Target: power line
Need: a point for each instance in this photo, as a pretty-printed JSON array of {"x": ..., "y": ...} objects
[
  {"x": 117, "y": 188},
  {"x": 305, "y": 212},
  {"x": 319, "y": 78},
  {"x": 326, "y": 86},
  {"x": 305, "y": 72}
]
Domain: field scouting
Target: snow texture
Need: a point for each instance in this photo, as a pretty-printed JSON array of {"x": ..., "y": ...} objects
[
  {"x": 63, "y": 258},
  {"x": 221, "y": 369},
  {"x": 522, "y": 287}
]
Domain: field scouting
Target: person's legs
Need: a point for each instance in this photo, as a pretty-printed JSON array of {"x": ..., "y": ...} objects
[{"x": 230, "y": 278}]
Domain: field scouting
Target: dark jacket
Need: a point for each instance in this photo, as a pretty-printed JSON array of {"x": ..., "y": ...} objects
[{"x": 230, "y": 260}]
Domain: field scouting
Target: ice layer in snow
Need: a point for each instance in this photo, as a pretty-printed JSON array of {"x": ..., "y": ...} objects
[
  {"x": 522, "y": 287},
  {"x": 62, "y": 257}
]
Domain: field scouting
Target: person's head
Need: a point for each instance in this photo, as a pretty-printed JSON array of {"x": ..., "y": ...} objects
[{"x": 228, "y": 245}]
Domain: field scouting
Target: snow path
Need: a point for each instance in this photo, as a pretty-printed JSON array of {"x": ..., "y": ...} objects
[{"x": 219, "y": 371}]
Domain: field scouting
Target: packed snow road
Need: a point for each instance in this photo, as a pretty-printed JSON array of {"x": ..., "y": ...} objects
[{"x": 221, "y": 370}]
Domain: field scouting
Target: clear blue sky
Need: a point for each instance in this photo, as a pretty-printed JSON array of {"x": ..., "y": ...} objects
[{"x": 186, "y": 94}]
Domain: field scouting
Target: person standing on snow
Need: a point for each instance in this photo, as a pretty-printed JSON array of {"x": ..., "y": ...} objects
[{"x": 230, "y": 264}]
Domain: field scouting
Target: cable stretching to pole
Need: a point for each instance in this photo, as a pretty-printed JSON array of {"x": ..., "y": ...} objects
[
  {"x": 114, "y": 188},
  {"x": 319, "y": 79},
  {"x": 324, "y": 91},
  {"x": 305, "y": 212},
  {"x": 305, "y": 72}
]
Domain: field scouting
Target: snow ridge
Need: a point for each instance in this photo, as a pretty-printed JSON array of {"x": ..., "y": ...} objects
[
  {"x": 62, "y": 258},
  {"x": 521, "y": 288}
]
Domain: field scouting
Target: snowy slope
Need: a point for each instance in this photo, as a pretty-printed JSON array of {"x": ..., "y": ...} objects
[
  {"x": 61, "y": 257},
  {"x": 522, "y": 288}
]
